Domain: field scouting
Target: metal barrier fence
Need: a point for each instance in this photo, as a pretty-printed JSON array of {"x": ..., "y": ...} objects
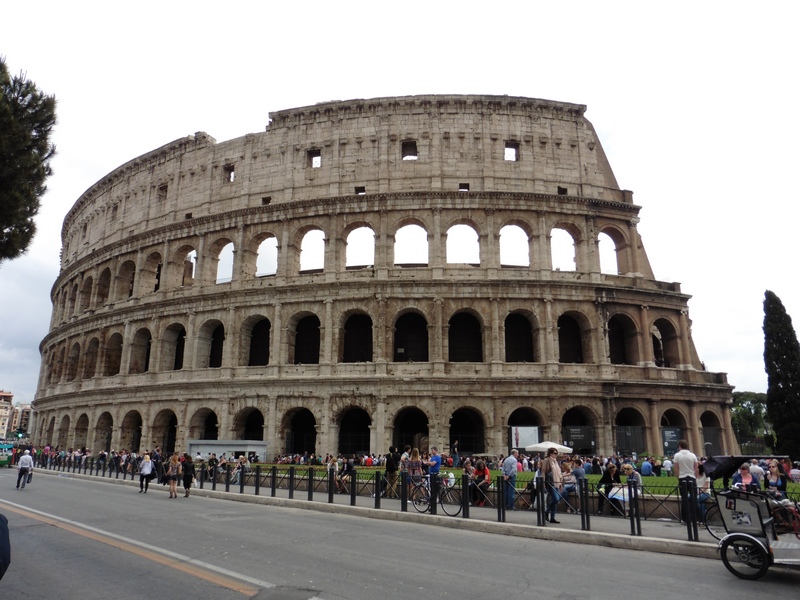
[{"x": 320, "y": 484}]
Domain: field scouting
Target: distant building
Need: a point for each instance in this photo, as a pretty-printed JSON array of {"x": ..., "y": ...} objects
[
  {"x": 20, "y": 419},
  {"x": 6, "y": 401}
]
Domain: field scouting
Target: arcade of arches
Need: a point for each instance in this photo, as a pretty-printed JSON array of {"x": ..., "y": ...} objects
[{"x": 347, "y": 426}]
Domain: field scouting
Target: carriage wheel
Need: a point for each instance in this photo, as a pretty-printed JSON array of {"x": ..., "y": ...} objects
[
  {"x": 714, "y": 523},
  {"x": 744, "y": 557}
]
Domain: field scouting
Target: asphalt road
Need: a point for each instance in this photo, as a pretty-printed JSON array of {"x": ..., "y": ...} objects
[{"x": 86, "y": 540}]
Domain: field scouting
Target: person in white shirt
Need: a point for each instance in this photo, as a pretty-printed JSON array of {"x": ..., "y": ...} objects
[
  {"x": 25, "y": 468},
  {"x": 755, "y": 469}
]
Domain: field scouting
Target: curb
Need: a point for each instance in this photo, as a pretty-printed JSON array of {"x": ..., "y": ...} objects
[{"x": 608, "y": 540}]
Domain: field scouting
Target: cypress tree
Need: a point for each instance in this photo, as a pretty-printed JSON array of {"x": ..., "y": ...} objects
[{"x": 782, "y": 364}]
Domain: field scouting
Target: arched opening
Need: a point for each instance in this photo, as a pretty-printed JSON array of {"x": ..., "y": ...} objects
[
  {"x": 267, "y": 259},
  {"x": 102, "y": 433},
  {"x": 360, "y": 251},
  {"x": 306, "y": 341},
  {"x": 258, "y": 346},
  {"x": 463, "y": 246},
  {"x": 712, "y": 434},
  {"x": 354, "y": 431},
  {"x": 140, "y": 352},
  {"x": 312, "y": 252},
  {"x": 113, "y": 356},
  {"x": 562, "y": 250},
  {"x": 630, "y": 432},
  {"x": 125, "y": 278},
  {"x": 301, "y": 432},
  {"x": 570, "y": 340},
  {"x": 411, "y": 338},
  {"x": 210, "y": 344},
  {"x": 411, "y": 246},
  {"x": 86, "y": 295},
  {"x": 103, "y": 286},
  {"x": 577, "y": 430},
  {"x": 250, "y": 424},
  {"x": 665, "y": 344},
  {"x": 225, "y": 264},
  {"x": 357, "y": 345},
  {"x": 90, "y": 358},
  {"x": 673, "y": 429},
  {"x": 466, "y": 426},
  {"x": 150, "y": 276},
  {"x": 131, "y": 431},
  {"x": 519, "y": 339},
  {"x": 204, "y": 425},
  {"x": 82, "y": 431},
  {"x": 607, "y": 251},
  {"x": 465, "y": 338},
  {"x": 524, "y": 428},
  {"x": 72, "y": 362},
  {"x": 165, "y": 432},
  {"x": 411, "y": 429},
  {"x": 514, "y": 247},
  {"x": 173, "y": 347},
  {"x": 622, "y": 338},
  {"x": 63, "y": 432}
]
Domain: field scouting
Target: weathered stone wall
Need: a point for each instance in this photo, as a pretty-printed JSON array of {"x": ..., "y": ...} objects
[{"x": 125, "y": 292}]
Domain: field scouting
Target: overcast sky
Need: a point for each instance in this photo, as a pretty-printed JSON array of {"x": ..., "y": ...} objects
[{"x": 694, "y": 104}]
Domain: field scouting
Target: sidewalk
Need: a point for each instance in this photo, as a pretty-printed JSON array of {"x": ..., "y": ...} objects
[{"x": 667, "y": 537}]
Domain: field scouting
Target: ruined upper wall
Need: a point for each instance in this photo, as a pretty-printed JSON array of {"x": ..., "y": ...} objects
[{"x": 344, "y": 148}]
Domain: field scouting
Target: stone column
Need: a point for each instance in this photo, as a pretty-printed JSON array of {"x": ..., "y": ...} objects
[
  {"x": 685, "y": 346},
  {"x": 646, "y": 358},
  {"x": 436, "y": 333},
  {"x": 694, "y": 436},
  {"x": 327, "y": 335},
  {"x": 654, "y": 429},
  {"x": 437, "y": 258}
]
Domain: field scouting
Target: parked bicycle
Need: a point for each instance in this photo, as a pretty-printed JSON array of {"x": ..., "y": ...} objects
[{"x": 449, "y": 498}]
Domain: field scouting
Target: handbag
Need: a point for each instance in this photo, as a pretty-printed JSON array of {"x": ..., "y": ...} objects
[{"x": 30, "y": 476}]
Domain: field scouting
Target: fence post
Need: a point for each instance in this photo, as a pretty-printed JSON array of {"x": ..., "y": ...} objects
[
  {"x": 291, "y": 482},
  {"x": 403, "y": 491},
  {"x": 377, "y": 487},
  {"x": 258, "y": 480},
  {"x": 633, "y": 505},
  {"x": 434, "y": 482},
  {"x": 310, "y": 484},
  {"x": 465, "y": 495},
  {"x": 500, "y": 485},
  {"x": 242, "y": 476},
  {"x": 331, "y": 484},
  {"x": 353, "y": 486},
  {"x": 273, "y": 480},
  {"x": 586, "y": 507},
  {"x": 541, "y": 501}
]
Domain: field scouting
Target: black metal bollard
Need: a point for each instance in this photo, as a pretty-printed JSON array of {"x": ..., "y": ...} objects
[
  {"x": 586, "y": 509},
  {"x": 202, "y": 475},
  {"x": 291, "y": 482},
  {"x": 331, "y": 485},
  {"x": 273, "y": 480},
  {"x": 310, "y": 484},
  {"x": 258, "y": 480},
  {"x": 501, "y": 499},
  {"x": 465, "y": 495},
  {"x": 242, "y": 476},
  {"x": 403, "y": 491},
  {"x": 633, "y": 508},
  {"x": 434, "y": 481},
  {"x": 353, "y": 486},
  {"x": 377, "y": 488},
  {"x": 541, "y": 501},
  {"x": 227, "y": 477}
]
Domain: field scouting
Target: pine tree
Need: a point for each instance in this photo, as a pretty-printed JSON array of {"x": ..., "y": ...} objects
[
  {"x": 27, "y": 117},
  {"x": 782, "y": 364}
]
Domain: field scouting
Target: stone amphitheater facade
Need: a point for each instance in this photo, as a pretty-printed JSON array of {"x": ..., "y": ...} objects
[{"x": 188, "y": 305}]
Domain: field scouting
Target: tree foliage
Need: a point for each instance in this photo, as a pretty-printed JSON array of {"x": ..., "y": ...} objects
[
  {"x": 782, "y": 364},
  {"x": 27, "y": 118},
  {"x": 749, "y": 415}
]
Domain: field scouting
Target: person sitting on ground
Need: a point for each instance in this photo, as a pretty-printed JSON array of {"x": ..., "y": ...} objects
[{"x": 744, "y": 479}]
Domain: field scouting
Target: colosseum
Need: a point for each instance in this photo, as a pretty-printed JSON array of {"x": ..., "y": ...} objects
[{"x": 369, "y": 273}]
